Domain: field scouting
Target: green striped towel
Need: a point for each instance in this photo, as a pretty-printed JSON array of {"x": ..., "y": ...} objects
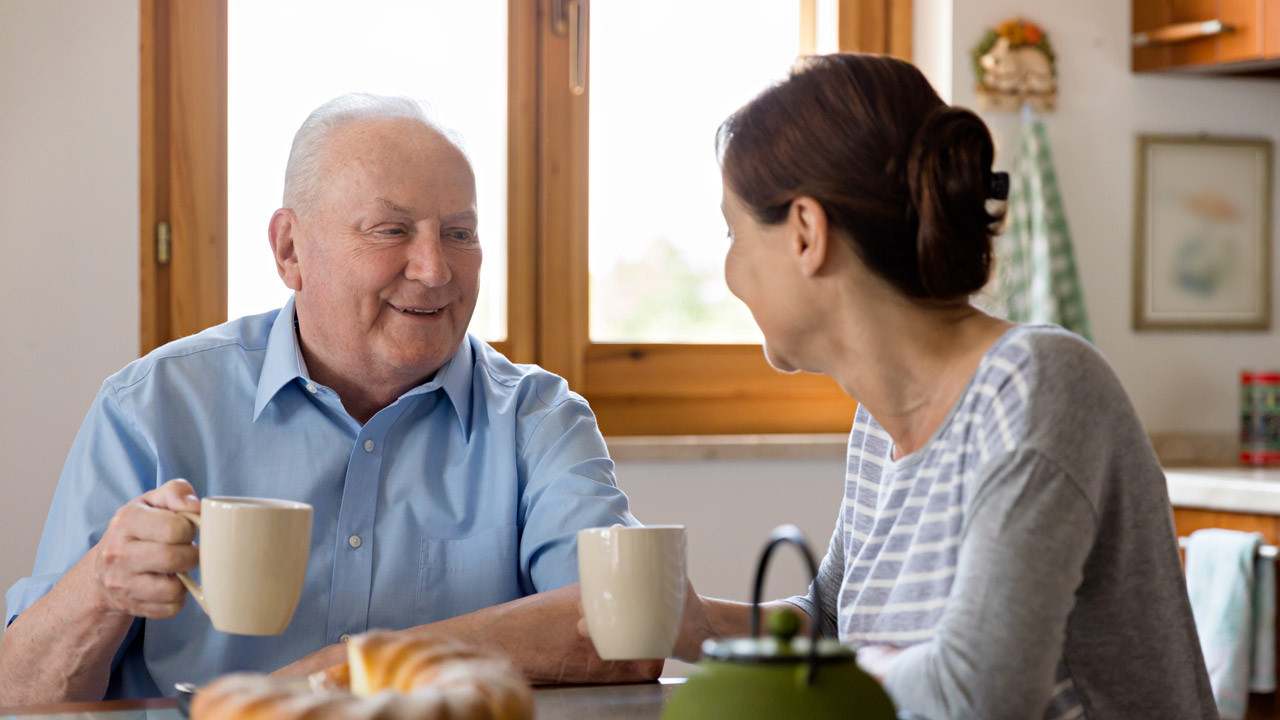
[{"x": 1036, "y": 279}]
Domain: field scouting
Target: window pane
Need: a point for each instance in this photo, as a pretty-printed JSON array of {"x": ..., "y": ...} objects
[
  {"x": 288, "y": 56},
  {"x": 664, "y": 74}
]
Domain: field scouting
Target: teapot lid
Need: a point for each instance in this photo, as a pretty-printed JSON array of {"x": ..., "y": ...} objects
[{"x": 781, "y": 646}]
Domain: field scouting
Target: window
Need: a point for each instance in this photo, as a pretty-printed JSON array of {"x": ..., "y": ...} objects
[
  {"x": 390, "y": 47},
  {"x": 623, "y": 296}
]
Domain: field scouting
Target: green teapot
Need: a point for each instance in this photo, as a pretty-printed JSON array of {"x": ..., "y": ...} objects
[{"x": 780, "y": 677}]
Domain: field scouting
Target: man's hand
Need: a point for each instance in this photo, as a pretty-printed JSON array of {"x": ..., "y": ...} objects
[
  {"x": 322, "y": 659},
  {"x": 133, "y": 565},
  {"x": 60, "y": 648},
  {"x": 539, "y": 635},
  {"x": 695, "y": 626}
]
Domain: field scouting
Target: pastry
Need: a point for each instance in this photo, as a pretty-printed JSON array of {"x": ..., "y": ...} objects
[{"x": 387, "y": 676}]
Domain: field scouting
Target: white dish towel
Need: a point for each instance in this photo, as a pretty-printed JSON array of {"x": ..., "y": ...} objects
[{"x": 1233, "y": 599}]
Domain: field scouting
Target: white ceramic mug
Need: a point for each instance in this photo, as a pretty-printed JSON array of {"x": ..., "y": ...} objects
[
  {"x": 253, "y": 562},
  {"x": 633, "y": 585}
]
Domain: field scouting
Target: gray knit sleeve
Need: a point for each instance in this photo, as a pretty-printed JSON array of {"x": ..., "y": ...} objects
[
  {"x": 1022, "y": 554},
  {"x": 826, "y": 587}
]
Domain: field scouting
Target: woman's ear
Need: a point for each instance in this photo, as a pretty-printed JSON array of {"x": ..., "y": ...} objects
[
  {"x": 282, "y": 231},
  {"x": 807, "y": 222}
]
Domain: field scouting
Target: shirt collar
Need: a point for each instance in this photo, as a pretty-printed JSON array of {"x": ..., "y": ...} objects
[
  {"x": 283, "y": 364},
  {"x": 454, "y": 377}
]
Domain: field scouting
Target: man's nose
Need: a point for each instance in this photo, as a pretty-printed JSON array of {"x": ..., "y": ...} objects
[{"x": 427, "y": 263}]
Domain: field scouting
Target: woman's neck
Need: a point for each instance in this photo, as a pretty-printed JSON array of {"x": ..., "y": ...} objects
[{"x": 908, "y": 364}]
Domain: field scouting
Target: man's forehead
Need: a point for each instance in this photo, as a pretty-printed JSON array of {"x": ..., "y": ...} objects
[
  {"x": 464, "y": 215},
  {"x": 386, "y": 163}
]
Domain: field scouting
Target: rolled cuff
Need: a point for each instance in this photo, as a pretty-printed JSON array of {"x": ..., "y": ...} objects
[{"x": 25, "y": 593}]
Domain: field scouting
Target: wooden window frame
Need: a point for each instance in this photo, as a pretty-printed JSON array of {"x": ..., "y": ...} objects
[{"x": 634, "y": 388}]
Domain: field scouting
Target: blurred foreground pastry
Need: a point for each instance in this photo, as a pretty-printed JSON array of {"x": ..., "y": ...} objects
[{"x": 387, "y": 676}]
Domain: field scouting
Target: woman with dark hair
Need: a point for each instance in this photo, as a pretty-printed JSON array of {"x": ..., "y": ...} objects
[{"x": 1005, "y": 548}]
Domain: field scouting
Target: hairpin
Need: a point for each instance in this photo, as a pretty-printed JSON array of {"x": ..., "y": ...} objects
[{"x": 997, "y": 185}]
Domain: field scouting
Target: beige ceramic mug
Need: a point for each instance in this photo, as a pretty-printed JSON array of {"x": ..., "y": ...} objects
[
  {"x": 633, "y": 585},
  {"x": 253, "y": 562}
]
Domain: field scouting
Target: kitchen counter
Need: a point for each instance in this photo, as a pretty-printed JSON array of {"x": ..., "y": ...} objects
[
  {"x": 642, "y": 701},
  {"x": 1228, "y": 489}
]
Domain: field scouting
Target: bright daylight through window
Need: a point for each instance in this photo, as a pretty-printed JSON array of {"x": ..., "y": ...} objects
[
  {"x": 660, "y": 86},
  {"x": 391, "y": 47}
]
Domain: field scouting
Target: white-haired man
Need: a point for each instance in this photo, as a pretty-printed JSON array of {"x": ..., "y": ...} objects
[{"x": 447, "y": 482}]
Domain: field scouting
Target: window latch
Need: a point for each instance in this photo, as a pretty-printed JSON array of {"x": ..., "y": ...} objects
[
  {"x": 164, "y": 241},
  {"x": 569, "y": 17}
]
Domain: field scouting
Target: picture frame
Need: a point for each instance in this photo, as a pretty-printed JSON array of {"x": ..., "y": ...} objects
[{"x": 1202, "y": 233}]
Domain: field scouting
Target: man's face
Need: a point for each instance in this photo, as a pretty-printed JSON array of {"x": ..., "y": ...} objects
[{"x": 388, "y": 255}]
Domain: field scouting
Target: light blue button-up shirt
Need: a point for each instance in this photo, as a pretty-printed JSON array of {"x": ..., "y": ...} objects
[{"x": 465, "y": 492}]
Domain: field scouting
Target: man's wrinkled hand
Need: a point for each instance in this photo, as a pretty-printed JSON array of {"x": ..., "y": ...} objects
[
  {"x": 145, "y": 543},
  {"x": 322, "y": 659}
]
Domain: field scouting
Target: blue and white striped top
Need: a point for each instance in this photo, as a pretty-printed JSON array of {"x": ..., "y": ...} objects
[{"x": 1005, "y": 554}]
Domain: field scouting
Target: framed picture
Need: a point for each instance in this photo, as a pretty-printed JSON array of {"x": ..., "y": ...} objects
[{"x": 1202, "y": 238}]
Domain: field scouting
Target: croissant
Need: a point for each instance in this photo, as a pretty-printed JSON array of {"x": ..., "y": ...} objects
[{"x": 387, "y": 676}]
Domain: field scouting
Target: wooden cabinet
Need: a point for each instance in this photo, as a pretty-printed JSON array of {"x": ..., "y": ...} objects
[
  {"x": 1187, "y": 521},
  {"x": 1271, "y": 28},
  {"x": 1213, "y": 36}
]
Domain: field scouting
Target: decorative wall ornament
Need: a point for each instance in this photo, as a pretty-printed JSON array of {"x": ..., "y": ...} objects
[{"x": 1014, "y": 65}]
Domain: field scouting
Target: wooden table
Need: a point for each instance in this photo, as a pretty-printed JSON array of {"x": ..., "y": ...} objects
[{"x": 587, "y": 702}]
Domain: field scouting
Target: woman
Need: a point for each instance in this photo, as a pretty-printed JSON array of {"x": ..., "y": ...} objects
[{"x": 1005, "y": 548}]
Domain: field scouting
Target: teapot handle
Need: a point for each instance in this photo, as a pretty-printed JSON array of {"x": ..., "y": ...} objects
[{"x": 787, "y": 534}]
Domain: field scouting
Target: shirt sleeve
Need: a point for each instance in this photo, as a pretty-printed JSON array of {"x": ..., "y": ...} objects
[
  {"x": 109, "y": 464},
  {"x": 567, "y": 485},
  {"x": 826, "y": 587},
  {"x": 1022, "y": 552}
]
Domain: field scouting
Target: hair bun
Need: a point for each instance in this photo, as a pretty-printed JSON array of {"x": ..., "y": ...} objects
[
  {"x": 899, "y": 174},
  {"x": 948, "y": 170}
]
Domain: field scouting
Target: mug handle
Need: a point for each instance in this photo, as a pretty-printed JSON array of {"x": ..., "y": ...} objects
[{"x": 191, "y": 585}]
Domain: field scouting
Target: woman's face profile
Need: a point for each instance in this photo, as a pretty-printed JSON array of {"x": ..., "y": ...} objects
[{"x": 755, "y": 269}]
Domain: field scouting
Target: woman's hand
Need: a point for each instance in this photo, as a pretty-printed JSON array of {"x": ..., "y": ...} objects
[
  {"x": 877, "y": 659},
  {"x": 695, "y": 628}
]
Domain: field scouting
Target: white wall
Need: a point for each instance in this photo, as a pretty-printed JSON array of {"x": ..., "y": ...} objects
[
  {"x": 68, "y": 239},
  {"x": 931, "y": 45},
  {"x": 1179, "y": 381},
  {"x": 729, "y": 507}
]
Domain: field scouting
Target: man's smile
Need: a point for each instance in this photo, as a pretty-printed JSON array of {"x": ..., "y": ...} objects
[{"x": 417, "y": 310}]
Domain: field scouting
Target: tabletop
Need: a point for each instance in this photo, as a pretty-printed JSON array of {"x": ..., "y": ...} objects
[{"x": 642, "y": 701}]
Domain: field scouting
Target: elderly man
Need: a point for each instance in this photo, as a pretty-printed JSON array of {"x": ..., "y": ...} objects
[{"x": 447, "y": 483}]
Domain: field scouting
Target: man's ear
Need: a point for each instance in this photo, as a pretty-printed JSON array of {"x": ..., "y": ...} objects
[
  {"x": 282, "y": 231},
  {"x": 807, "y": 223}
]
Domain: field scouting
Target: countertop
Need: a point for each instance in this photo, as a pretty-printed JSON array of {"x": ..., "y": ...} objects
[
  {"x": 643, "y": 701},
  {"x": 1229, "y": 489}
]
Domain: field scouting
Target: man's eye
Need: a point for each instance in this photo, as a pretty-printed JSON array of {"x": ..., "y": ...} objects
[
  {"x": 390, "y": 231},
  {"x": 462, "y": 235}
]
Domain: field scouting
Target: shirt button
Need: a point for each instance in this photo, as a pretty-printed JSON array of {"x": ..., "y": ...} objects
[
  {"x": 345, "y": 637},
  {"x": 368, "y": 446},
  {"x": 311, "y": 388},
  {"x": 354, "y": 541}
]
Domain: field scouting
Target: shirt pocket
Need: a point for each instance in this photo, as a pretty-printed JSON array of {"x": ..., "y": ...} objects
[{"x": 461, "y": 575}]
